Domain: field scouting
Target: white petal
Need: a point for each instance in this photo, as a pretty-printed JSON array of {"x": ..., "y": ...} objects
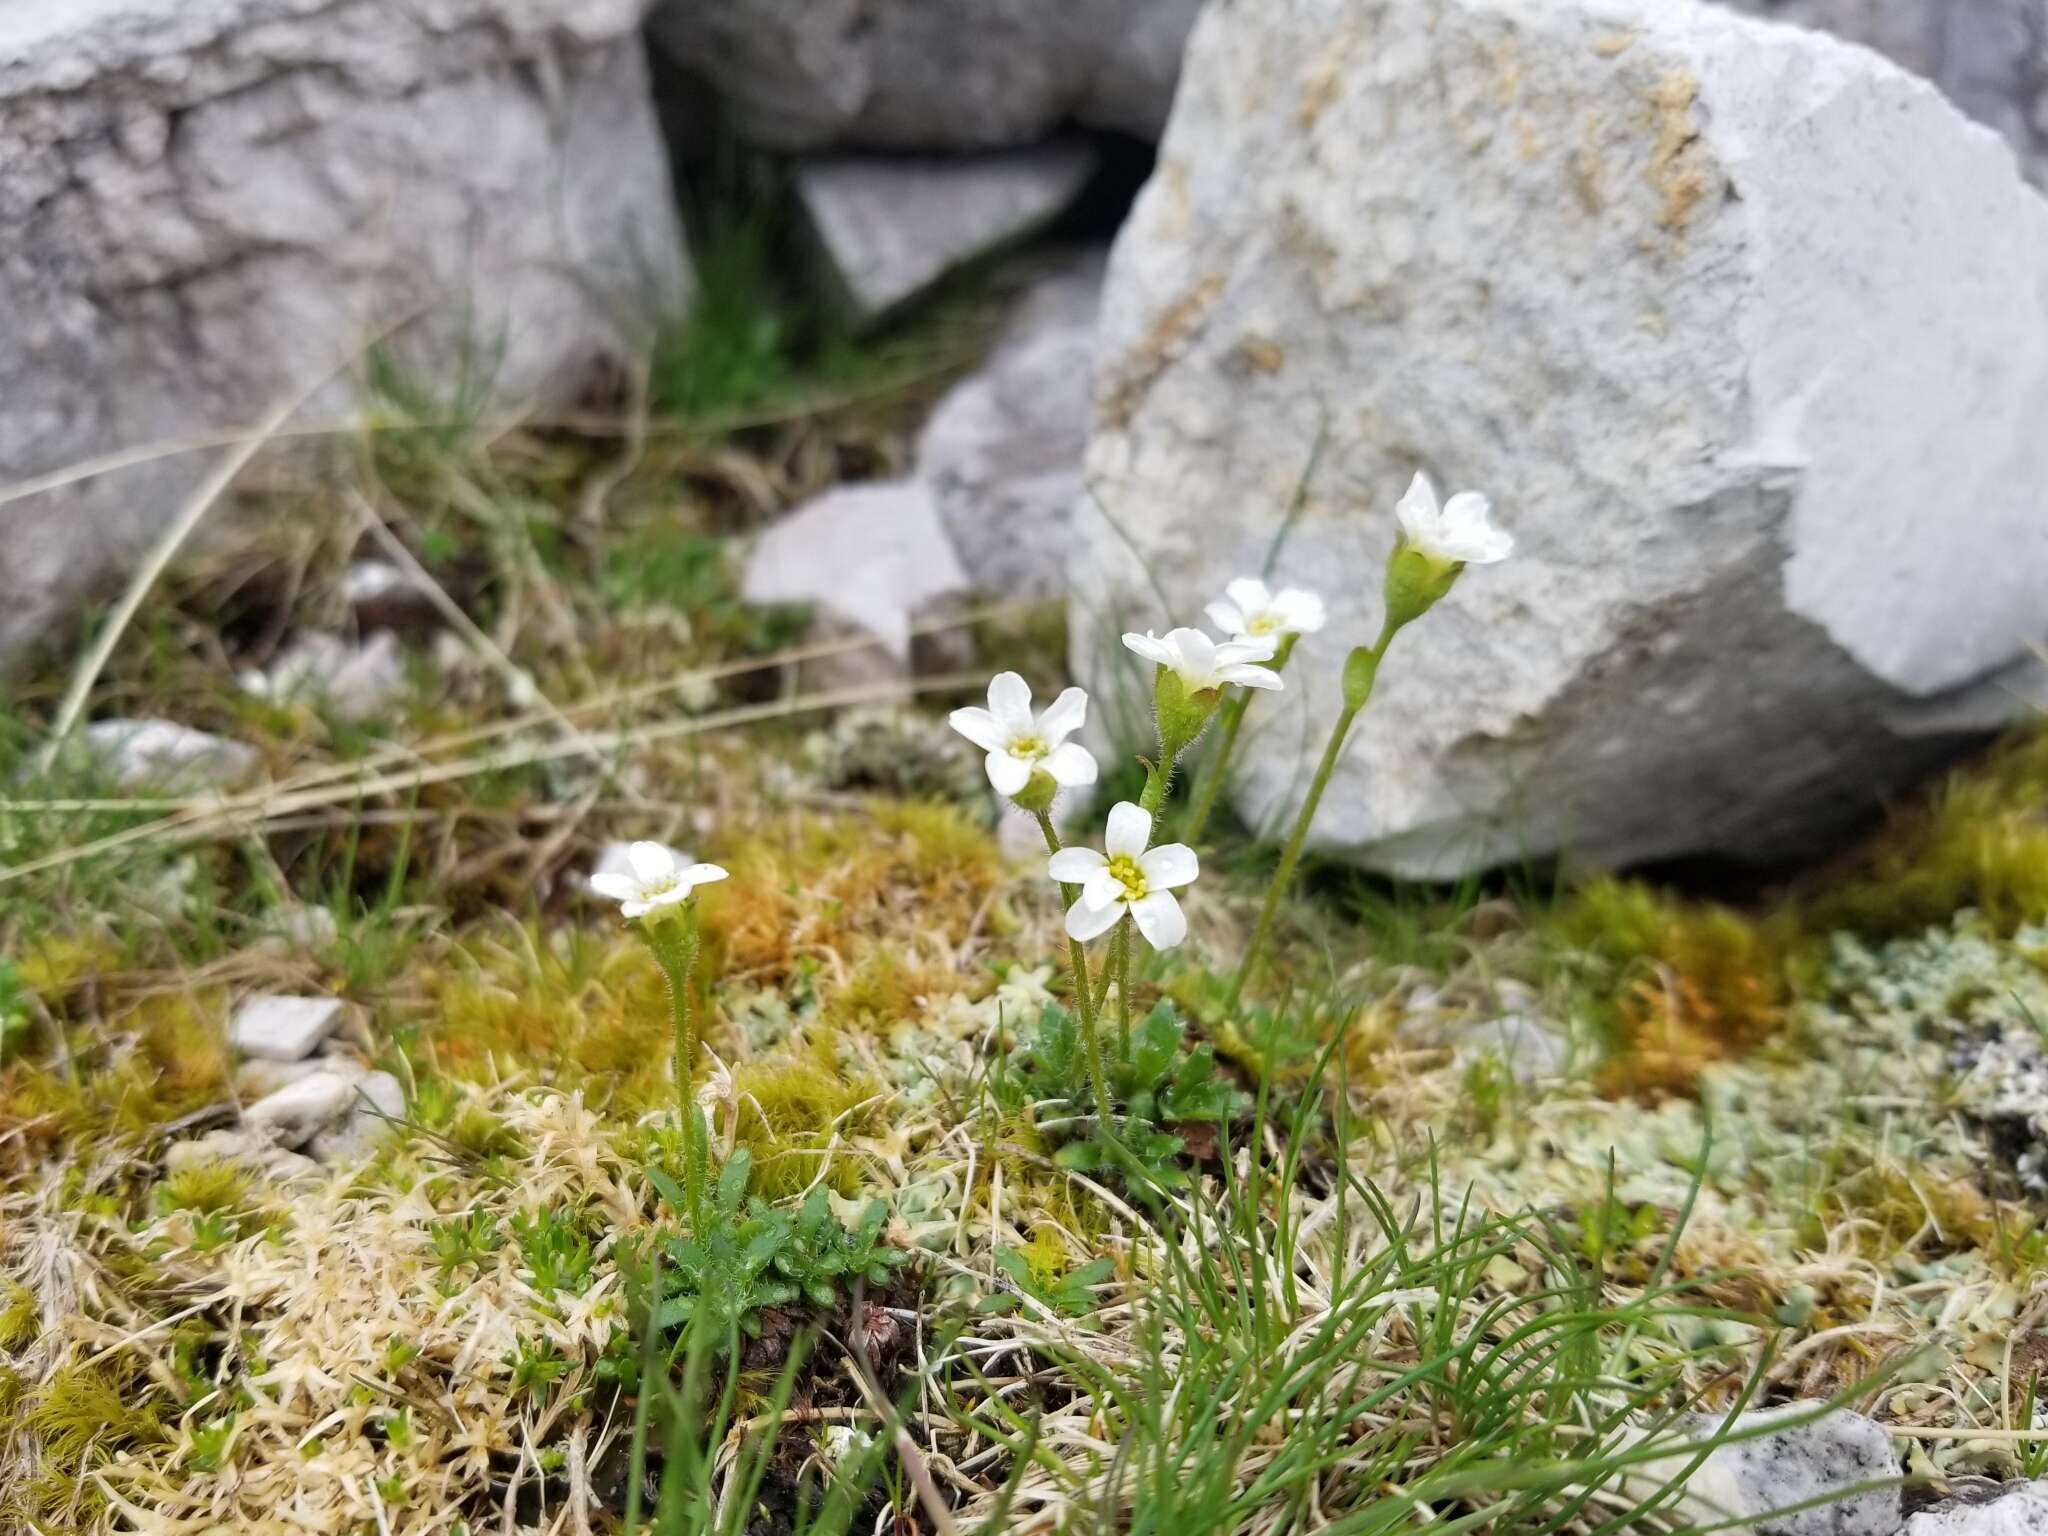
[
  {"x": 1085, "y": 922},
  {"x": 1064, "y": 716},
  {"x": 702, "y": 874},
  {"x": 636, "y": 909},
  {"x": 1234, "y": 653},
  {"x": 1250, "y": 677},
  {"x": 1228, "y": 617},
  {"x": 1152, "y": 648},
  {"x": 1102, "y": 889},
  {"x": 1299, "y": 611},
  {"x": 979, "y": 727},
  {"x": 1008, "y": 774},
  {"x": 1170, "y": 865},
  {"x": 1009, "y": 700},
  {"x": 1159, "y": 918},
  {"x": 1469, "y": 533},
  {"x": 614, "y": 885},
  {"x": 652, "y": 863},
  {"x": 675, "y": 895},
  {"x": 1250, "y": 594},
  {"x": 1417, "y": 510},
  {"x": 1071, "y": 765},
  {"x": 1197, "y": 652},
  {"x": 1070, "y": 866},
  {"x": 1129, "y": 830}
]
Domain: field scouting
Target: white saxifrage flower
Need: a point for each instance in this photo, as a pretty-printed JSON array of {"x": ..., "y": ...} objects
[
  {"x": 1018, "y": 744},
  {"x": 658, "y": 879},
  {"x": 1250, "y": 609},
  {"x": 1202, "y": 664},
  {"x": 1129, "y": 878},
  {"x": 1460, "y": 532}
]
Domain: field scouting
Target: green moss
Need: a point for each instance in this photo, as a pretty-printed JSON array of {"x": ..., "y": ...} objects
[
  {"x": 20, "y": 1321},
  {"x": 1982, "y": 842},
  {"x": 791, "y": 1105}
]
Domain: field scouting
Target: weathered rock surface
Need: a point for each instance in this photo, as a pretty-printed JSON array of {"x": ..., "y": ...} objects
[
  {"x": 2020, "y": 1510},
  {"x": 893, "y": 226},
  {"x": 275, "y": 1027},
  {"x": 932, "y": 74},
  {"x": 870, "y": 560},
  {"x": 164, "y": 755},
  {"x": 1720, "y": 312},
  {"x": 207, "y": 206},
  {"x": 1989, "y": 56},
  {"x": 1819, "y": 1460},
  {"x": 1002, "y": 452}
]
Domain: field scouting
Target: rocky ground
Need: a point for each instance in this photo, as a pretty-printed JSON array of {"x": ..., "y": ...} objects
[{"x": 336, "y": 1113}]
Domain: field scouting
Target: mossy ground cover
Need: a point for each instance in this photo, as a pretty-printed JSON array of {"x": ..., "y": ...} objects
[{"x": 1481, "y": 1184}]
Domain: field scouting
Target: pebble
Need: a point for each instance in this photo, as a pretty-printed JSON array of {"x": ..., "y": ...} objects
[
  {"x": 302, "y": 1108},
  {"x": 275, "y": 1027}
]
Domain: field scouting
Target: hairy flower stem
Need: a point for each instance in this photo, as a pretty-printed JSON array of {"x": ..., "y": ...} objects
[
  {"x": 1290, "y": 856},
  {"x": 1210, "y": 777},
  {"x": 1124, "y": 946},
  {"x": 1215, "y": 770},
  {"x": 1077, "y": 952},
  {"x": 675, "y": 950}
]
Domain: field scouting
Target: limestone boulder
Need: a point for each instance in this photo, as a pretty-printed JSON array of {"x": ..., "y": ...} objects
[
  {"x": 931, "y": 74},
  {"x": 1989, "y": 56},
  {"x": 208, "y": 206},
  {"x": 1002, "y": 451},
  {"x": 1744, "y": 329}
]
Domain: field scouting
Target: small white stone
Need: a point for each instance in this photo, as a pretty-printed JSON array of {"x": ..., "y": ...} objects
[
  {"x": 2021, "y": 1510},
  {"x": 380, "y": 1099},
  {"x": 381, "y": 596},
  {"x": 251, "y": 1148},
  {"x": 274, "y": 1027},
  {"x": 302, "y": 925},
  {"x": 867, "y": 558},
  {"x": 299, "y": 1109},
  {"x": 1774, "y": 1471},
  {"x": 355, "y": 682},
  {"x": 164, "y": 755},
  {"x": 256, "y": 1078}
]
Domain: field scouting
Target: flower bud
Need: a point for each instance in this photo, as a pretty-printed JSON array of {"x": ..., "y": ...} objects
[
  {"x": 1360, "y": 668},
  {"x": 1181, "y": 713},
  {"x": 1416, "y": 582},
  {"x": 1037, "y": 794}
]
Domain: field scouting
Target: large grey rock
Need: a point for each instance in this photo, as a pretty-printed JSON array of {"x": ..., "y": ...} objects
[
  {"x": 1751, "y": 1478},
  {"x": 893, "y": 226},
  {"x": 1745, "y": 330},
  {"x": 2020, "y": 1510},
  {"x": 932, "y": 74},
  {"x": 1002, "y": 451},
  {"x": 207, "y": 205},
  {"x": 1989, "y": 56}
]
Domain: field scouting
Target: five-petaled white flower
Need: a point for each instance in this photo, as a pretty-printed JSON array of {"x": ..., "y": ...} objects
[
  {"x": 1017, "y": 744},
  {"x": 1461, "y": 531},
  {"x": 1130, "y": 878},
  {"x": 658, "y": 879},
  {"x": 1250, "y": 609},
  {"x": 1201, "y": 663}
]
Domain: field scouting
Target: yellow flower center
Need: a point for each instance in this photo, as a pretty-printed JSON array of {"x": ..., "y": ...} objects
[
  {"x": 1125, "y": 871},
  {"x": 1030, "y": 748},
  {"x": 1264, "y": 624}
]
